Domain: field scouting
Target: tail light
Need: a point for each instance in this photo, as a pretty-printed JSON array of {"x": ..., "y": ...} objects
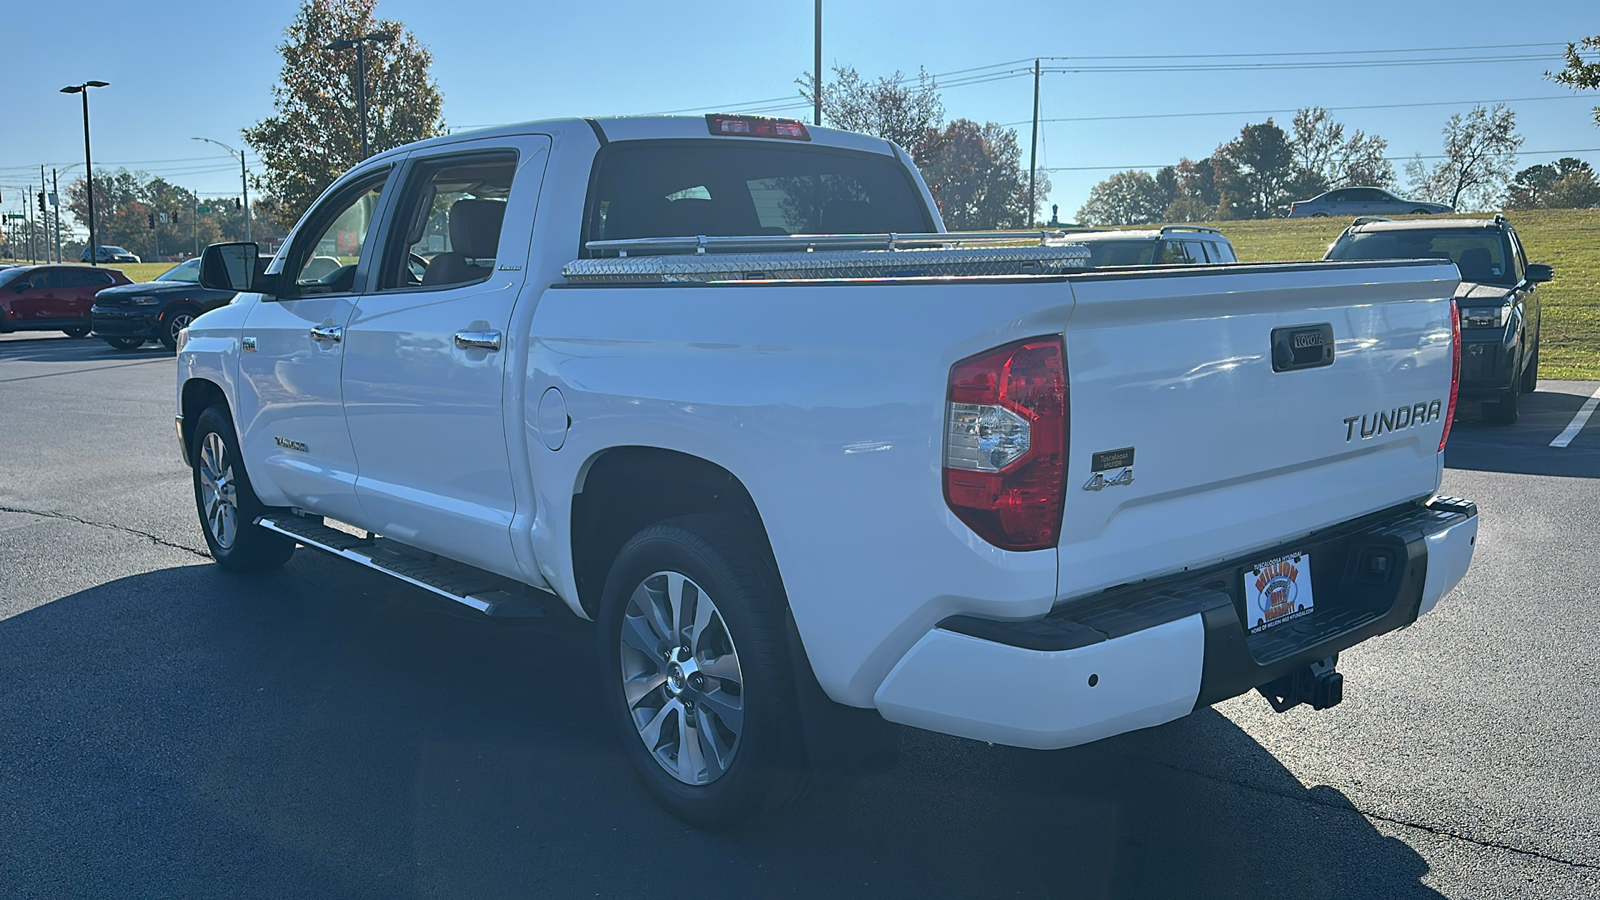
[
  {"x": 1005, "y": 450},
  {"x": 757, "y": 126},
  {"x": 1455, "y": 372}
]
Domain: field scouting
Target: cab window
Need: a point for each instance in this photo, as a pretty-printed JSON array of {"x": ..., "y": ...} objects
[
  {"x": 447, "y": 230},
  {"x": 326, "y": 257}
]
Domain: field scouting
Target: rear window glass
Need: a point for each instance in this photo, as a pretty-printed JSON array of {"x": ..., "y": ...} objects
[
  {"x": 1480, "y": 255},
  {"x": 684, "y": 189},
  {"x": 1121, "y": 253}
]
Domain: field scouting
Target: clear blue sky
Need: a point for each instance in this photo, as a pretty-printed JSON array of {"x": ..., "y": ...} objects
[{"x": 199, "y": 68}]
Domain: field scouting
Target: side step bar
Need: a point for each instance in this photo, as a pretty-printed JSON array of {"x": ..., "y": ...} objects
[{"x": 483, "y": 591}]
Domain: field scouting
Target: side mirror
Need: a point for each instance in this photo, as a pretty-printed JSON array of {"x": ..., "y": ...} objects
[
  {"x": 1539, "y": 273},
  {"x": 230, "y": 267}
]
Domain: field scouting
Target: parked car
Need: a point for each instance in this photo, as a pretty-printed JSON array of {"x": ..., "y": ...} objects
[
  {"x": 1499, "y": 308},
  {"x": 808, "y": 487},
  {"x": 52, "y": 298},
  {"x": 109, "y": 254},
  {"x": 127, "y": 316},
  {"x": 1363, "y": 201},
  {"x": 1188, "y": 245}
]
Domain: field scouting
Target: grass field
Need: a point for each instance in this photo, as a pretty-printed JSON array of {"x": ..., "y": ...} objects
[
  {"x": 136, "y": 272},
  {"x": 1568, "y": 239}
]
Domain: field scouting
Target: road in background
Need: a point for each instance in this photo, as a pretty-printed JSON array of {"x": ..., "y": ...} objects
[{"x": 169, "y": 730}]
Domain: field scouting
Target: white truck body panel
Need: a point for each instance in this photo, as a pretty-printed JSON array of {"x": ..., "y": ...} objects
[{"x": 827, "y": 402}]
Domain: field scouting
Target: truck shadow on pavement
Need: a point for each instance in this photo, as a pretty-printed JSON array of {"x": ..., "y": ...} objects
[
  {"x": 189, "y": 733},
  {"x": 1524, "y": 448}
]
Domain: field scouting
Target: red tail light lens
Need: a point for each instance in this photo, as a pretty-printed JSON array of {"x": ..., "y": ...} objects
[
  {"x": 1005, "y": 451},
  {"x": 758, "y": 126},
  {"x": 1455, "y": 372}
]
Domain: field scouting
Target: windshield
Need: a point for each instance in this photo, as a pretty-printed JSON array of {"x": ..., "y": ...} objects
[
  {"x": 188, "y": 271},
  {"x": 9, "y": 275},
  {"x": 1481, "y": 255},
  {"x": 688, "y": 188}
]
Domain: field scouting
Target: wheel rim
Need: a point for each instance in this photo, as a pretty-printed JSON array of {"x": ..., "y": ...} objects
[
  {"x": 179, "y": 323},
  {"x": 219, "y": 501},
  {"x": 681, "y": 678}
]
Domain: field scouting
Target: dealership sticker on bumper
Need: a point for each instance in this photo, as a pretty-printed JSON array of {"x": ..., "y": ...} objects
[{"x": 1277, "y": 591}]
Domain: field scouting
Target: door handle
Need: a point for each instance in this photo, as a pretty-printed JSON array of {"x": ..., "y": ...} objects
[
  {"x": 478, "y": 340},
  {"x": 328, "y": 334}
]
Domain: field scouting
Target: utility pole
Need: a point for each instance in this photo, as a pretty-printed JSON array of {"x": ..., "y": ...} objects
[
  {"x": 360, "y": 45},
  {"x": 1033, "y": 155},
  {"x": 816, "y": 78},
  {"x": 44, "y": 215},
  {"x": 55, "y": 198}
]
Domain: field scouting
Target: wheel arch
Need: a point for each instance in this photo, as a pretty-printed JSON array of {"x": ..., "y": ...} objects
[
  {"x": 199, "y": 394},
  {"x": 621, "y": 490}
]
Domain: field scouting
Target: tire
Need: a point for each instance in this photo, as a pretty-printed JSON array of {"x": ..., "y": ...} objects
[
  {"x": 745, "y": 755},
  {"x": 76, "y": 333},
  {"x": 1319, "y": 215},
  {"x": 173, "y": 321},
  {"x": 1504, "y": 411},
  {"x": 1530, "y": 375},
  {"x": 126, "y": 343},
  {"x": 235, "y": 541},
  {"x": 1420, "y": 212}
]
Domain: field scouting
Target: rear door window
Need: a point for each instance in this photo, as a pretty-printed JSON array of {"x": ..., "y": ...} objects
[{"x": 729, "y": 187}]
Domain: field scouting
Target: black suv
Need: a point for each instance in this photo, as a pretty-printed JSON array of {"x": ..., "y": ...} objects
[
  {"x": 127, "y": 316},
  {"x": 1498, "y": 305}
]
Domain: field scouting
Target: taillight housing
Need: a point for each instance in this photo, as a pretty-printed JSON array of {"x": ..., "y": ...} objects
[
  {"x": 1005, "y": 446},
  {"x": 1455, "y": 372}
]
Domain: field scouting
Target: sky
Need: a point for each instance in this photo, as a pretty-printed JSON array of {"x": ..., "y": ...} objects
[{"x": 203, "y": 69}]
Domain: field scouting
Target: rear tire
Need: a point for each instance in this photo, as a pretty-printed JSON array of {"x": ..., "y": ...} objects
[
  {"x": 1420, "y": 212},
  {"x": 226, "y": 503},
  {"x": 77, "y": 333},
  {"x": 1319, "y": 215},
  {"x": 125, "y": 343},
  {"x": 713, "y": 731},
  {"x": 173, "y": 321}
]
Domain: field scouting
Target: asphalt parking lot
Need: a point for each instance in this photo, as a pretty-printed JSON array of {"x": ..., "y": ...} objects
[{"x": 170, "y": 730}]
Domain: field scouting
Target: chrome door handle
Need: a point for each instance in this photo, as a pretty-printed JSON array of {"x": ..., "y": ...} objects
[
  {"x": 329, "y": 334},
  {"x": 478, "y": 340}
]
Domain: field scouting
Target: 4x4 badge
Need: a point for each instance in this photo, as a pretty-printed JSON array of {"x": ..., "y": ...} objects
[{"x": 1100, "y": 482}]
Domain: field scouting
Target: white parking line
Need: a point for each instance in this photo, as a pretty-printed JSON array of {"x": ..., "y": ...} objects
[{"x": 1578, "y": 421}]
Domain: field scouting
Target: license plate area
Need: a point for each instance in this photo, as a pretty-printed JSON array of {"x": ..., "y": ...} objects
[{"x": 1278, "y": 591}]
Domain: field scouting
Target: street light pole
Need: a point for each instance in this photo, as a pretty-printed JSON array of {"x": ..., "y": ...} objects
[
  {"x": 88, "y": 163},
  {"x": 816, "y": 78},
  {"x": 360, "y": 45},
  {"x": 244, "y": 182}
]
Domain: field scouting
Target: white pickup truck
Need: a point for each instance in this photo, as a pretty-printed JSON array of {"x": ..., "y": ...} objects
[{"x": 637, "y": 371}]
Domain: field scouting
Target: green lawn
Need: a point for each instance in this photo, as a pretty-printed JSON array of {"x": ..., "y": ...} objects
[{"x": 137, "y": 272}]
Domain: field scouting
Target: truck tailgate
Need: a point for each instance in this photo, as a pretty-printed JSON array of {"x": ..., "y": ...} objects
[{"x": 1188, "y": 444}]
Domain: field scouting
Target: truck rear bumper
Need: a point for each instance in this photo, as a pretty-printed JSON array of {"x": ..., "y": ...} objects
[{"x": 1140, "y": 656}]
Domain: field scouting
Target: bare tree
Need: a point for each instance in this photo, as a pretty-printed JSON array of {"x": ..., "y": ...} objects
[
  {"x": 1327, "y": 159},
  {"x": 896, "y": 108},
  {"x": 1480, "y": 156}
]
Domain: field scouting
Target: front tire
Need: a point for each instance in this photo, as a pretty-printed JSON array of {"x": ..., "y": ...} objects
[
  {"x": 1420, "y": 212},
  {"x": 1530, "y": 375},
  {"x": 125, "y": 343},
  {"x": 173, "y": 321},
  {"x": 1505, "y": 410},
  {"x": 80, "y": 331},
  {"x": 696, "y": 670},
  {"x": 227, "y": 505}
]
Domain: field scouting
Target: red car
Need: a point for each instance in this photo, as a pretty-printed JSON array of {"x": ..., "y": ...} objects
[{"x": 52, "y": 298}]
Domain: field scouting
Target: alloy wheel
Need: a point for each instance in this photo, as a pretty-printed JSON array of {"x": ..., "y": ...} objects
[
  {"x": 681, "y": 678},
  {"x": 219, "y": 501}
]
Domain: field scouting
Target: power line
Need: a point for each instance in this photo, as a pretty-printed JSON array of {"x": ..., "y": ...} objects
[
  {"x": 1300, "y": 66},
  {"x": 1268, "y": 112},
  {"x": 1561, "y": 44},
  {"x": 1388, "y": 158}
]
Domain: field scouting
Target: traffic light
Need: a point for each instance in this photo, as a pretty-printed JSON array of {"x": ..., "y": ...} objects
[
  {"x": 175, "y": 219},
  {"x": 238, "y": 204},
  {"x": 151, "y": 218},
  {"x": 41, "y": 201}
]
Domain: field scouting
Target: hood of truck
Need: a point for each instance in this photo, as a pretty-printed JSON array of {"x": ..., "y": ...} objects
[{"x": 1472, "y": 292}]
